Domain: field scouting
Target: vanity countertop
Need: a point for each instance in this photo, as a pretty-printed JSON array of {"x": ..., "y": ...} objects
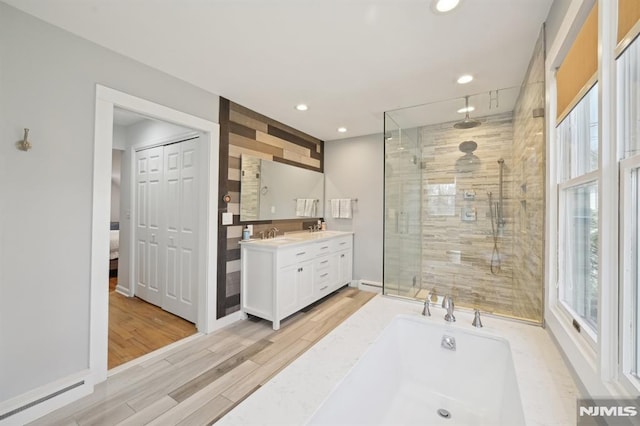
[{"x": 295, "y": 238}]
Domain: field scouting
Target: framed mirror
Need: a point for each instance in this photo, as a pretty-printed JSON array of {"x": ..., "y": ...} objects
[{"x": 274, "y": 191}]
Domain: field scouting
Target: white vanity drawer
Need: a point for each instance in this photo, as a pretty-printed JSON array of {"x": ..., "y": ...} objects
[
  {"x": 323, "y": 247},
  {"x": 322, "y": 263},
  {"x": 323, "y": 282},
  {"x": 294, "y": 255},
  {"x": 342, "y": 243}
]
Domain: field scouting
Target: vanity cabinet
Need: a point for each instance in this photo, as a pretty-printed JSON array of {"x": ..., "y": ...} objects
[{"x": 283, "y": 275}]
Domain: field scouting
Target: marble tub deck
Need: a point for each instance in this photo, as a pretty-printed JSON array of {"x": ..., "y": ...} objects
[{"x": 547, "y": 389}]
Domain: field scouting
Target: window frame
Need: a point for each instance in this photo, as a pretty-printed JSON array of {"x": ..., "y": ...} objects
[
  {"x": 629, "y": 241},
  {"x": 590, "y": 335},
  {"x": 629, "y": 269},
  {"x": 563, "y": 184}
]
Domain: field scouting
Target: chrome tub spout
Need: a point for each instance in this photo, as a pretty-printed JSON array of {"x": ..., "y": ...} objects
[{"x": 447, "y": 303}]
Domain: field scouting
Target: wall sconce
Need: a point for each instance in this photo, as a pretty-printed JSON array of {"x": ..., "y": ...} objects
[{"x": 24, "y": 144}]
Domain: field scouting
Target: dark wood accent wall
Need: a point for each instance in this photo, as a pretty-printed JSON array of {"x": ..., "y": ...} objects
[{"x": 243, "y": 131}]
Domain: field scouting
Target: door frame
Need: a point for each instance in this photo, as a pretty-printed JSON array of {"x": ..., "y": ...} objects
[{"x": 106, "y": 100}]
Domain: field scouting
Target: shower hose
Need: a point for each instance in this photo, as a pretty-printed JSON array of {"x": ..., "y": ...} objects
[{"x": 496, "y": 263}]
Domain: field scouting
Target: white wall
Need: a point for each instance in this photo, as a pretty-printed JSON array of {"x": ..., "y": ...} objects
[
  {"x": 119, "y": 136},
  {"x": 47, "y": 80},
  {"x": 116, "y": 172},
  {"x": 142, "y": 134},
  {"x": 354, "y": 169}
]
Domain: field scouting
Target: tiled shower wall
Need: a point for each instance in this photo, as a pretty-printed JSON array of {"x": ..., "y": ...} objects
[
  {"x": 456, "y": 254},
  {"x": 529, "y": 156}
]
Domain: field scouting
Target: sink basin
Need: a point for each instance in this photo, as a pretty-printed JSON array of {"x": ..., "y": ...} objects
[
  {"x": 277, "y": 241},
  {"x": 297, "y": 237}
]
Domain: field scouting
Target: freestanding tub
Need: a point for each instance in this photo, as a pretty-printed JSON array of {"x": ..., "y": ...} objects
[{"x": 407, "y": 377}]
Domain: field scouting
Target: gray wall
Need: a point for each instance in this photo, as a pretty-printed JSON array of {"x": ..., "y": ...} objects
[
  {"x": 354, "y": 169},
  {"x": 47, "y": 82}
]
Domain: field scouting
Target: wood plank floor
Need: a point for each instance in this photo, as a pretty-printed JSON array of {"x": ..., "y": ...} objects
[
  {"x": 137, "y": 328},
  {"x": 198, "y": 382}
]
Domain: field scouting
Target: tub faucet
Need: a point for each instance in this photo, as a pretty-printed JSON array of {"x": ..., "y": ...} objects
[
  {"x": 425, "y": 310},
  {"x": 447, "y": 303},
  {"x": 477, "y": 323}
]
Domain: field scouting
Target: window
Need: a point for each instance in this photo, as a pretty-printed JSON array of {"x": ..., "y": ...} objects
[
  {"x": 577, "y": 137},
  {"x": 628, "y": 130}
]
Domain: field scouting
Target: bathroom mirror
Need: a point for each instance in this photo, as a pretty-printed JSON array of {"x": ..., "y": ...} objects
[{"x": 275, "y": 191}]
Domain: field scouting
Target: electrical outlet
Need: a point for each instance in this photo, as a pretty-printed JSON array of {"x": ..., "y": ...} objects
[{"x": 250, "y": 227}]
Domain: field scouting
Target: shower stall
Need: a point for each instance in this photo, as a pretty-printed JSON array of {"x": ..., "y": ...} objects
[{"x": 464, "y": 199}]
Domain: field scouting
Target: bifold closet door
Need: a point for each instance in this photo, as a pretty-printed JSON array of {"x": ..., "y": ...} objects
[
  {"x": 166, "y": 227},
  {"x": 148, "y": 199},
  {"x": 180, "y": 250}
]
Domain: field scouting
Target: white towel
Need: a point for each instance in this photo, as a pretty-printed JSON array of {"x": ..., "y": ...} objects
[
  {"x": 345, "y": 208},
  {"x": 309, "y": 207},
  {"x": 300, "y": 206},
  {"x": 335, "y": 208}
]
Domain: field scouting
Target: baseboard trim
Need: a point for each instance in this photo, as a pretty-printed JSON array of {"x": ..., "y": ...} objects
[
  {"x": 226, "y": 320},
  {"x": 34, "y": 404},
  {"x": 123, "y": 290},
  {"x": 372, "y": 286}
]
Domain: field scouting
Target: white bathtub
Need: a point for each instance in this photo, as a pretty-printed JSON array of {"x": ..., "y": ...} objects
[{"x": 406, "y": 377}]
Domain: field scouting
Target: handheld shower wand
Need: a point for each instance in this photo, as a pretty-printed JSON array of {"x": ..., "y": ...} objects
[{"x": 496, "y": 263}]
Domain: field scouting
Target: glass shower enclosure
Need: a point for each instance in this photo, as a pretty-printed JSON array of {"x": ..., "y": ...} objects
[
  {"x": 464, "y": 199},
  {"x": 403, "y": 192}
]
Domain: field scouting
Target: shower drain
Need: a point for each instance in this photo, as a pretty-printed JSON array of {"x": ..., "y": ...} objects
[{"x": 445, "y": 414}]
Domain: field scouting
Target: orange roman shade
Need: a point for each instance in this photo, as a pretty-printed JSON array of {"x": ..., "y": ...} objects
[
  {"x": 628, "y": 16},
  {"x": 576, "y": 74}
]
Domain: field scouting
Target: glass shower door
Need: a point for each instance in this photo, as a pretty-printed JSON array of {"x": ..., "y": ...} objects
[{"x": 402, "y": 200}]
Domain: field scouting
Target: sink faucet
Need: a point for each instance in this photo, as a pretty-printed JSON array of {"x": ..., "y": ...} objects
[
  {"x": 447, "y": 303},
  {"x": 273, "y": 232}
]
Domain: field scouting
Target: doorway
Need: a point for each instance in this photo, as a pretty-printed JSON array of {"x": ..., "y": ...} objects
[
  {"x": 154, "y": 210},
  {"x": 106, "y": 101}
]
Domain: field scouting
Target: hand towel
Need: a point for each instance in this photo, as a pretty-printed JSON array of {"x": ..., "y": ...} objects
[
  {"x": 345, "y": 208},
  {"x": 335, "y": 208},
  {"x": 308, "y": 207},
  {"x": 300, "y": 206}
]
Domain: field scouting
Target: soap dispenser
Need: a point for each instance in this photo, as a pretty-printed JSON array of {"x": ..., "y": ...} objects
[{"x": 245, "y": 233}]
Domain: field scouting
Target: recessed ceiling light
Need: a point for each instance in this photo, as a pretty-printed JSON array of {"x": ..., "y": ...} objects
[
  {"x": 302, "y": 107},
  {"x": 466, "y": 109},
  {"x": 342, "y": 129},
  {"x": 444, "y": 6},
  {"x": 464, "y": 79}
]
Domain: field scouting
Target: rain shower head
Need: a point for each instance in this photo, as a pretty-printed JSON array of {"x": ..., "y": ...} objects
[
  {"x": 468, "y": 147},
  {"x": 467, "y": 123},
  {"x": 468, "y": 162}
]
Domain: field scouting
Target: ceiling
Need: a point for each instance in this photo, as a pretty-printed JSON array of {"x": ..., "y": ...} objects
[{"x": 349, "y": 60}]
